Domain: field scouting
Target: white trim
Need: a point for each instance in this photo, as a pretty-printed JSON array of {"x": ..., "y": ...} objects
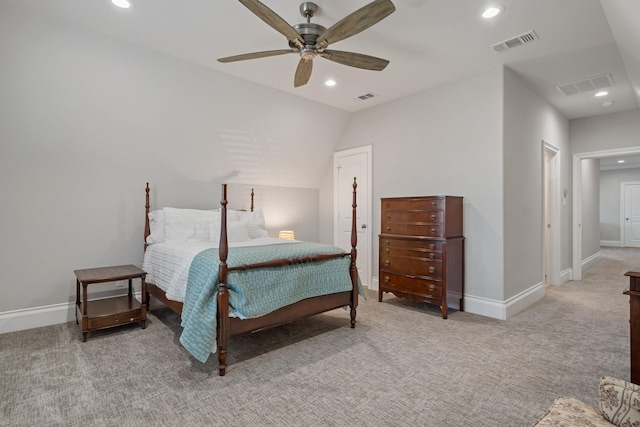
[
  {"x": 576, "y": 263},
  {"x": 588, "y": 262},
  {"x": 623, "y": 208},
  {"x": 565, "y": 275},
  {"x": 375, "y": 283},
  {"x": 555, "y": 221},
  {"x": 29, "y": 318},
  {"x": 504, "y": 309},
  {"x": 37, "y": 317},
  {"x": 368, "y": 149},
  {"x": 614, "y": 243}
]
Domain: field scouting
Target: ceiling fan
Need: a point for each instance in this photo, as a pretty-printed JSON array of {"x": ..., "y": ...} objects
[{"x": 310, "y": 40}]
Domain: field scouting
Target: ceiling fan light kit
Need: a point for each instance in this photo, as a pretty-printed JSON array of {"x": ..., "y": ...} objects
[{"x": 310, "y": 40}]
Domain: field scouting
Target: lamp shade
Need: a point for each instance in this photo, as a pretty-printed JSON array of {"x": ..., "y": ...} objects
[{"x": 286, "y": 235}]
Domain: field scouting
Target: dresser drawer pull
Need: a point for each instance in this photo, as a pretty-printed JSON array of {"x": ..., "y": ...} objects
[
  {"x": 432, "y": 246},
  {"x": 386, "y": 279},
  {"x": 431, "y": 269},
  {"x": 434, "y": 203},
  {"x": 433, "y": 217},
  {"x": 432, "y": 287},
  {"x": 387, "y": 263},
  {"x": 434, "y": 231},
  {"x": 386, "y": 242},
  {"x": 388, "y": 228},
  {"x": 432, "y": 255},
  {"x": 116, "y": 319},
  {"x": 386, "y": 250},
  {"x": 388, "y": 216}
]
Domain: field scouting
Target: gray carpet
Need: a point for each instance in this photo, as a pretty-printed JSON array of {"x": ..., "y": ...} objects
[{"x": 402, "y": 365}]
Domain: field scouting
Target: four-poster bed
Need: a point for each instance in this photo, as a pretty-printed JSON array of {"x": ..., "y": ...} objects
[{"x": 215, "y": 304}]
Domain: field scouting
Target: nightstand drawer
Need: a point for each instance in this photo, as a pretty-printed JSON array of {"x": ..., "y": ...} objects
[{"x": 115, "y": 319}]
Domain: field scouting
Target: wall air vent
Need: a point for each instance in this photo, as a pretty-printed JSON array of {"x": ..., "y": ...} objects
[
  {"x": 364, "y": 97},
  {"x": 586, "y": 85},
  {"x": 520, "y": 40}
]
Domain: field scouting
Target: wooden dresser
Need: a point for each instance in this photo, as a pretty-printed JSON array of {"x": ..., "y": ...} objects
[{"x": 422, "y": 250}]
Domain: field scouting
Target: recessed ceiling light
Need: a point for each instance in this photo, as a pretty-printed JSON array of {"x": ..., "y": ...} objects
[
  {"x": 620, "y": 161},
  {"x": 602, "y": 93},
  {"x": 492, "y": 11},
  {"x": 125, "y": 4},
  {"x": 330, "y": 82}
]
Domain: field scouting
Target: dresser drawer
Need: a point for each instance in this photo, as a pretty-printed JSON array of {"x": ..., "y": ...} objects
[
  {"x": 422, "y": 203},
  {"x": 410, "y": 243},
  {"x": 412, "y": 266},
  {"x": 415, "y": 229},
  {"x": 399, "y": 251},
  {"x": 412, "y": 285},
  {"x": 412, "y": 216}
]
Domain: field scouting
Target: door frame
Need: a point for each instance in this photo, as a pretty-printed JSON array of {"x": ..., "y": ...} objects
[
  {"x": 368, "y": 149},
  {"x": 576, "y": 228},
  {"x": 623, "y": 199},
  {"x": 553, "y": 245}
]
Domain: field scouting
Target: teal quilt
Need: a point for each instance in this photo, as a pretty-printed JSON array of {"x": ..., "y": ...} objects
[{"x": 253, "y": 293}]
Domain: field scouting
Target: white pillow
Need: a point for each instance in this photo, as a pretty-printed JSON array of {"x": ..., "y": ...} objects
[
  {"x": 188, "y": 225},
  {"x": 156, "y": 226},
  {"x": 237, "y": 230},
  {"x": 255, "y": 222}
]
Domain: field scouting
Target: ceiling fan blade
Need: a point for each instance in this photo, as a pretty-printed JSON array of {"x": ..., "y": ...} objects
[
  {"x": 357, "y": 60},
  {"x": 256, "y": 55},
  {"x": 303, "y": 72},
  {"x": 356, "y": 22},
  {"x": 273, "y": 20}
]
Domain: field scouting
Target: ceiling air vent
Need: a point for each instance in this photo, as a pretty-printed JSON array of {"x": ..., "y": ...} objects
[
  {"x": 586, "y": 85},
  {"x": 364, "y": 97},
  {"x": 520, "y": 40}
]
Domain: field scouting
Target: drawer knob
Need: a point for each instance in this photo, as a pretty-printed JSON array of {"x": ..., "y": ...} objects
[
  {"x": 432, "y": 255},
  {"x": 431, "y": 269},
  {"x": 388, "y": 216},
  {"x": 432, "y": 287},
  {"x": 386, "y": 250},
  {"x": 388, "y": 228},
  {"x": 433, "y": 203},
  {"x": 433, "y": 231},
  {"x": 386, "y": 279},
  {"x": 386, "y": 242},
  {"x": 387, "y": 263},
  {"x": 433, "y": 217},
  {"x": 432, "y": 246},
  {"x": 117, "y": 319}
]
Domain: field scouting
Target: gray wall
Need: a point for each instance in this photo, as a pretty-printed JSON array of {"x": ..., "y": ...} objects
[
  {"x": 590, "y": 208},
  {"x": 86, "y": 121}
]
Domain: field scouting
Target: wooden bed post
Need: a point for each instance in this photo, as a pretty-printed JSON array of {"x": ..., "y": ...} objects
[
  {"x": 147, "y": 230},
  {"x": 354, "y": 255},
  {"x": 223, "y": 295}
]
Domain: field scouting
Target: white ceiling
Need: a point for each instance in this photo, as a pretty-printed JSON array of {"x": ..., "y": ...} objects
[{"x": 429, "y": 43}]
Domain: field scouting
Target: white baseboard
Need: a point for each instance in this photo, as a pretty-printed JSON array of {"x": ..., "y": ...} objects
[
  {"x": 375, "y": 284},
  {"x": 503, "y": 309},
  {"x": 614, "y": 243},
  {"x": 588, "y": 262},
  {"x": 566, "y": 275},
  {"x": 37, "y": 317},
  {"x": 28, "y": 318}
]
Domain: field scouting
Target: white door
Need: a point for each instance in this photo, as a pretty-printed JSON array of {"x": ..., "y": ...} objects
[
  {"x": 631, "y": 215},
  {"x": 350, "y": 164}
]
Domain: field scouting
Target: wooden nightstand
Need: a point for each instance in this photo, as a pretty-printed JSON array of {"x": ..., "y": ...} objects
[{"x": 113, "y": 311}]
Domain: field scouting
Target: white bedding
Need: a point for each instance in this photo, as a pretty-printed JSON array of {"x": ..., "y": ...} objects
[{"x": 167, "y": 264}]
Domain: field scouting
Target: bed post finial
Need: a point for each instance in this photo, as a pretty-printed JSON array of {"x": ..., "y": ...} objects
[{"x": 147, "y": 206}]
